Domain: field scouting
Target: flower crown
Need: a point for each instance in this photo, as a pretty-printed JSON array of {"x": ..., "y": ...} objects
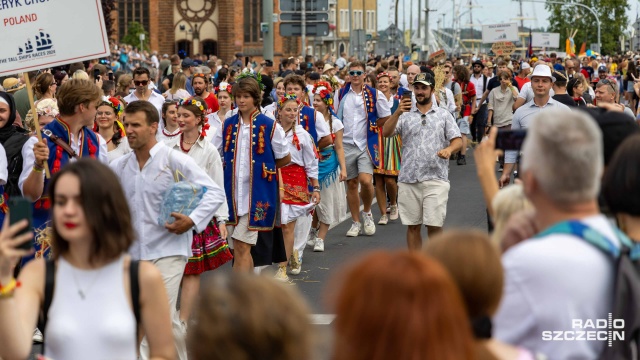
[
  {"x": 191, "y": 101},
  {"x": 256, "y": 77},
  {"x": 287, "y": 97},
  {"x": 383, "y": 74},
  {"x": 117, "y": 106},
  {"x": 223, "y": 86},
  {"x": 323, "y": 89},
  {"x": 47, "y": 107}
]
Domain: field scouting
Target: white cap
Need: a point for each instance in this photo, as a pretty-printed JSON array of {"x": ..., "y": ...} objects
[
  {"x": 525, "y": 65},
  {"x": 543, "y": 71}
]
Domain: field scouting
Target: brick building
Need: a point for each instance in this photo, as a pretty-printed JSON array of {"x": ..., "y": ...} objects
[{"x": 217, "y": 27}]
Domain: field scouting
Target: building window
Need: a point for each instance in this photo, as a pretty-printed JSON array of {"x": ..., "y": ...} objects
[
  {"x": 344, "y": 20},
  {"x": 252, "y": 19},
  {"x": 332, "y": 17},
  {"x": 357, "y": 19},
  {"x": 132, "y": 10},
  {"x": 371, "y": 21}
]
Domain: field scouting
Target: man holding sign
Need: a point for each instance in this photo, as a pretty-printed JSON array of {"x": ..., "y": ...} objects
[{"x": 67, "y": 138}]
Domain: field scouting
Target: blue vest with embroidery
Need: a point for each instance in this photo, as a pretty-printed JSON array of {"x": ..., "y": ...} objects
[
  {"x": 60, "y": 129},
  {"x": 370, "y": 98},
  {"x": 263, "y": 192},
  {"x": 308, "y": 122}
]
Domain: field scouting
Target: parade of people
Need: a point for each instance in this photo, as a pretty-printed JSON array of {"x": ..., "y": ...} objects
[{"x": 197, "y": 180}]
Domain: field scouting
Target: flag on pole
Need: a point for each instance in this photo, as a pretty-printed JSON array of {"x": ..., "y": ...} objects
[{"x": 530, "y": 52}]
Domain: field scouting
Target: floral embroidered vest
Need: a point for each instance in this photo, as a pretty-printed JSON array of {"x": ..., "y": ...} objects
[
  {"x": 263, "y": 192},
  {"x": 370, "y": 98}
]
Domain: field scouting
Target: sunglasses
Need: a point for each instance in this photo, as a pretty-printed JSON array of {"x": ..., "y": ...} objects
[
  {"x": 424, "y": 119},
  {"x": 356, "y": 72},
  {"x": 198, "y": 75},
  {"x": 610, "y": 83},
  {"x": 141, "y": 83}
]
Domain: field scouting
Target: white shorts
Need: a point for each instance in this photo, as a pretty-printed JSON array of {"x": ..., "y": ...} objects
[
  {"x": 241, "y": 232},
  {"x": 423, "y": 203}
]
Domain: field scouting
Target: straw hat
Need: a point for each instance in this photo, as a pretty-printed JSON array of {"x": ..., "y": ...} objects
[
  {"x": 326, "y": 68},
  {"x": 12, "y": 85}
]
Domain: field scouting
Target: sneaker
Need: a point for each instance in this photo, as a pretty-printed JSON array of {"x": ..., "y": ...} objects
[
  {"x": 37, "y": 336},
  {"x": 462, "y": 160},
  {"x": 369, "y": 225},
  {"x": 319, "y": 245},
  {"x": 296, "y": 264},
  {"x": 394, "y": 212},
  {"x": 311, "y": 239},
  {"x": 281, "y": 275},
  {"x": 355, "y": 230},
  {"x": 454, "y": 156},
  {"x": 383, "y": 220}
]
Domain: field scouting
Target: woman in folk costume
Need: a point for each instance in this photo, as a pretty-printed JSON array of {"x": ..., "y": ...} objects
[
  {"x": 225, "y": 101},
  {"x": 331, "y": 170},
  {"x": 169, "y": 128},
  {"x": 386, "y": 174},
  {"x": 210, "y": 249},
  {"x": 108, "y": 125},
  {"x": 296, "y": 201}
]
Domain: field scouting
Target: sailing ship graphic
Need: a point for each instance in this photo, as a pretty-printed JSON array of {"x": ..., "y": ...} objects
[{"x": 43, "y": 42}]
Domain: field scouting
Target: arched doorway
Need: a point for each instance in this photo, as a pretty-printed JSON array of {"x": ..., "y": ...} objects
[
  {"x": 209, "y": 47},
  {"x": 183, "y": 48}
]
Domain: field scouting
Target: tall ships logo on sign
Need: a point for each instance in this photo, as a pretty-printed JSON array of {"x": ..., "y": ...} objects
[{"x": 43, "y": 47}]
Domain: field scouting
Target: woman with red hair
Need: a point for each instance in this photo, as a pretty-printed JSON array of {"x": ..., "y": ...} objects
[{"x": 400, "y": 306}]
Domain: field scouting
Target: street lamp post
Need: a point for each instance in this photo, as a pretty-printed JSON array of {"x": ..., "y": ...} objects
[{"x": 577, "y": 4}]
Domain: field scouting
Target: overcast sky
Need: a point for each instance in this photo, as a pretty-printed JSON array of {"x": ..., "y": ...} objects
[{"x": 490, "y": 12}]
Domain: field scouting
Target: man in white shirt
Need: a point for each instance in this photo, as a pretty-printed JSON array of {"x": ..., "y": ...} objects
[
  {"x": 362, "y": 110},
  {"x": 253, "y": 147},
  {"x": 141, "y": 79},
  {"x": 555, "y": 277},
  {"x": 146, "y": 174}
]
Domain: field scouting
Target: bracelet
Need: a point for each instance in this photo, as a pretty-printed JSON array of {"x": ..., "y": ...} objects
[
  {"x": 7, "y": 291},
  {"x": 38, "y": 168}
]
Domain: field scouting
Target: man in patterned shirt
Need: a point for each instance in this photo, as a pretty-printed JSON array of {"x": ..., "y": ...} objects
[{"x": 429, "y": 137}]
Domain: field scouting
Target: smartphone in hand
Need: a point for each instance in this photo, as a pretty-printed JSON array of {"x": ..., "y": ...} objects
[
  {"x": 510, "y": 139},
  {"x": 20, "y": 208}
]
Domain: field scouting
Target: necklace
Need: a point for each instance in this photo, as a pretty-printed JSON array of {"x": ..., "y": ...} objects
[
  {"x": 182, "y": 141},
  {"x": 169, "y": 134},
  {"x": 83, "y": 292}
]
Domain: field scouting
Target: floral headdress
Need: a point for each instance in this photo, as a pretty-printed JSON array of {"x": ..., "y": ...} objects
[
  {"x": 197, "y": 103},
  {"x": 383, "y": 74},
  {"x": 115, "y": 104},
  {"x": 256, "y": 77},
  {"x": 287, "y": 97},
  {"x": 47, "y": 107},
  {"x": 324, "y": 89},
  {"x": 283, "y": 100},
  {"x": 223, "y": 86}
]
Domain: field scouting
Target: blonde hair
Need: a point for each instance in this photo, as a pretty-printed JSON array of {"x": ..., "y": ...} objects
[
  {"x": 507, "y": 202},
  {"x": 249, "y": 317},
  {"x": 80, "y": 74},
  {"x": 124, "y": 82},
  {"x": 179, "y": 82}
]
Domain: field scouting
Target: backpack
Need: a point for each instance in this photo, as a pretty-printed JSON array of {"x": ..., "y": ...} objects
[
  {"x": 626, "y": 295},
  {"x": 49, "y": 287}
]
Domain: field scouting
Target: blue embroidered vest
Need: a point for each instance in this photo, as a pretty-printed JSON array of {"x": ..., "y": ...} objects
[
  {"x": 370, "y": 98},
  {"x": 263, "y": 192},
  {"x": 308, "y": 122},
  {"x": 58, "y": 158}
]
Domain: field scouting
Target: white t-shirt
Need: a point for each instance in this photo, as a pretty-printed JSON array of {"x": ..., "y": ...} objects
[{"x": 550, "y": 281}]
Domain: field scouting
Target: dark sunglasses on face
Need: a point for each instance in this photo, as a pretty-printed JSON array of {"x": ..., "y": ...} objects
[
  {"x": 141, "y": 83},
  {"x": 356, "y": 72}
]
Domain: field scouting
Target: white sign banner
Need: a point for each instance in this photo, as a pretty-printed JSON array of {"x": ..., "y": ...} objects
[
  {"x": 546, "y": 40},
  {"x": 499, "y": 32},
  {"x": 39, "y": 34}
]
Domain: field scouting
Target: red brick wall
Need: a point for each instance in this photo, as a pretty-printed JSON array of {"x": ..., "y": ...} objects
[{"x": 161, "y": 25}]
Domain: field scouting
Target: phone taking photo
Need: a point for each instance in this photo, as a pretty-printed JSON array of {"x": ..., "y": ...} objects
[
  {"x": 510, "y": 139},
  {"x": 96, "y": 74},
  {"x": 20, "y": 208}
]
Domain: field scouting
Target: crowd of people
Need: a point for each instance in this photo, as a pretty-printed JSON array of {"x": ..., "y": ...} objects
[{"x": 163, "y": 169}]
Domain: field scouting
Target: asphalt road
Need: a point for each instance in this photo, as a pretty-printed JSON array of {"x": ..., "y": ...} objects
[{"x": 322, "y": 271}]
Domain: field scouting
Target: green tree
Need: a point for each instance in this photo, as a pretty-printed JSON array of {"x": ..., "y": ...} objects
[
  {"x": 613, "y": 21},
  {"x": 133, "y": 35}
]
